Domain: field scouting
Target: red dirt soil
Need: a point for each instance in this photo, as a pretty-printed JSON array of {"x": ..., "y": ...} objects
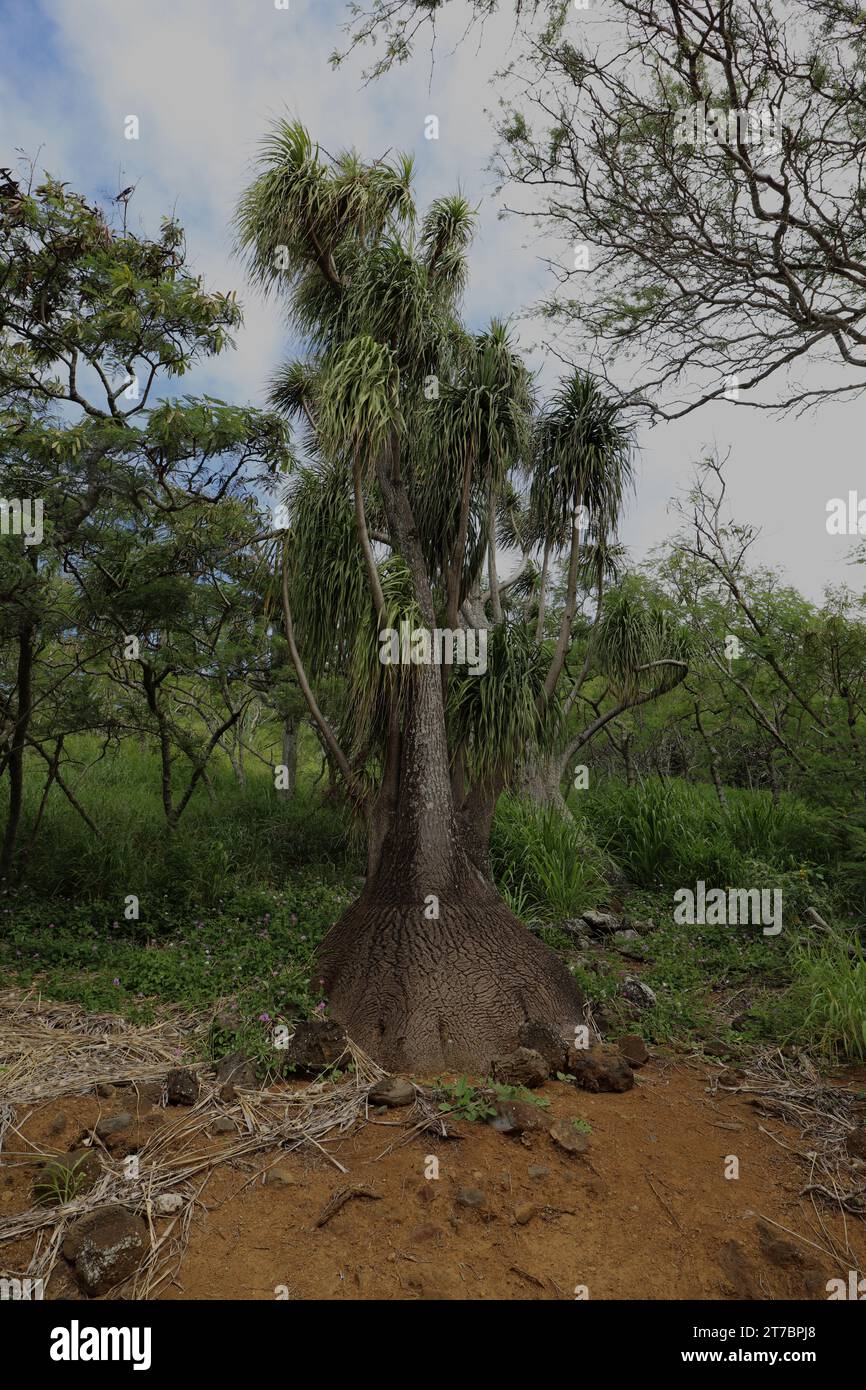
[{"x": 646, "y": 1213}]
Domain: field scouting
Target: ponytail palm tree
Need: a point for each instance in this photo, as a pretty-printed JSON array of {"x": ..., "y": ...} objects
[{"x": 417, "y": 437}]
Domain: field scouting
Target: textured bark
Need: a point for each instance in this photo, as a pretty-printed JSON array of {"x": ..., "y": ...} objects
[
  {"x": 542, "y": 781},
  {"x": 429, "y": 970},
  {"x": 428, "y": 992},
  {"x": 429, "y": 995}
]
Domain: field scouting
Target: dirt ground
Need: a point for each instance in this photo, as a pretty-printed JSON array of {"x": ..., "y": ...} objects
[{"x": 647, "y": 1212}]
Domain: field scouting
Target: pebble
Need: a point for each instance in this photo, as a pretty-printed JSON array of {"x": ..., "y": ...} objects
[
  {"x": 281, "y": 1177},
  {"x": 470, "y": 1197},
  {"x": 167, "y": 1203},
  {"x": 115, "y": 1124},
  {"x": 392, "y": 1090}
]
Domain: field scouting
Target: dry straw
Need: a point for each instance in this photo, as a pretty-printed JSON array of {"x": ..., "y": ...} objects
[{"x": 48, "y": 1050}]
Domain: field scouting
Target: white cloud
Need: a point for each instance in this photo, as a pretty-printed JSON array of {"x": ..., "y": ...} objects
[{"x": 205, "y": 77}]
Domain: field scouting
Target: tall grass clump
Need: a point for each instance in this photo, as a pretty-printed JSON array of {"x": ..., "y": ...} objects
[
  {"x": 228, "y": 838},
  {"x": 546, "y": 865},
  {"x": 829, "y": 993},
  {"x": 671, "y": 833}
]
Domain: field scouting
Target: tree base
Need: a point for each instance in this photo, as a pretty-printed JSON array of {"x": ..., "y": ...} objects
[{"x": 446, "y": 994}]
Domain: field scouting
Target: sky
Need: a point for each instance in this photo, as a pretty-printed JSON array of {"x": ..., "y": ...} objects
[{"x": 206, "y": 77}]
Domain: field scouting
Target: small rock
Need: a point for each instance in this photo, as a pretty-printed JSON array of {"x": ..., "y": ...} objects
[
  {"x": 545, "y": 1040},
  {"x": 132, "y": 1138},
  {"x": 600, "y": 1068},
  {"x": 59, "y": 1123},
  {"x": 634, "y": 1050},
  {"x": 105, "y": 1090},
  {"x": 470, "y": 1197},
  {"x": 730, "y": 1076},
  {"x": 524, "y": 1213},
  {"x": 855, "y": 1142},
  {"x": 223, "y": 1125},
  {"x": 237, "y": 1069},
  {"x": 601, "y": 923},
  {"x": 637, "y": 993},
  {"x": 518, "y": 1117},
  {"x": 167, "y": 1203},
  {"x": 565, "y": 1136},
  {"x": 628, "y": 943},
  {"x": 523, "y": 1067},
  {"x": 228, "y": 1094},
  {"x": 181, "y": 1087},
  {"x": 106, "y": 1246},
  {"x": 576, "y": 928},
  {"x": 317, "y": 1044},
  {"x": 714, "y": 1047},
  {"x": 281, "y": 1177},
  {"x": 427, "y": 1231},
  {"x": 537, "y": 1171},
  {"x": 392, "y": 1091},
  {"x": 114, "y": 1124}
]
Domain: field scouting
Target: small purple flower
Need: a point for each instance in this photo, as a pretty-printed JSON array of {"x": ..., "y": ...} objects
[
  {"x": 264, "y": 1018},
  {"x": 115, "y": 981}
]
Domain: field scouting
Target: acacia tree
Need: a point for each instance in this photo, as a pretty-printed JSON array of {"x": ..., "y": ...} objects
[
  {"x": 92, "y": 320},
  {"x": 414, "y": 431},
  {"x": 730, "y": 243}
]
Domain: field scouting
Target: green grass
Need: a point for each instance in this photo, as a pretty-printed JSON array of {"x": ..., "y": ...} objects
[
  {"x": 238, "y": 837},
  {"x": 829, "y": 993},
  {"x": 233, "y": 905},
  {"x": 547, "y": 867},
  {"x": 254, "y": 950},
  {"x": 673, "y": 833}
]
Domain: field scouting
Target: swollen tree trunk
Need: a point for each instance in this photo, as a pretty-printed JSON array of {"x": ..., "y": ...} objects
[{"x": 429, "y": 970}]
